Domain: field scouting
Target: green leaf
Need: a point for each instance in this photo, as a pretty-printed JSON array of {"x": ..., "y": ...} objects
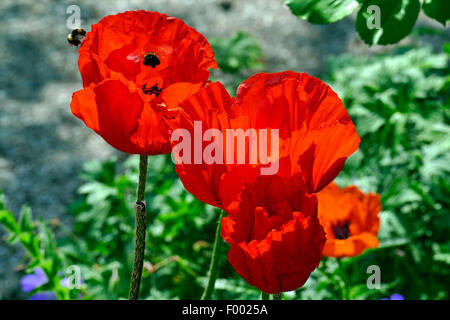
[
  {"x": 48, "y": 239},
  {"x": 25, "y": 219},
  {"x": 322, "y": 11},
  {"x": 437, "y": 9},
  {"x": 31, "y": 244},
  {"x": 396, "y": 20},
  {"x": 9, "y": 222}
]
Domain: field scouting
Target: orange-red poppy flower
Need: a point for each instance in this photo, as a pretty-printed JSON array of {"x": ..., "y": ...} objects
[
  {"x": 350, "y": 219},
  {"x": 134, "y": 65},
  {"x": 275, "y": 237},
  {"x": 315, "y": 137}
]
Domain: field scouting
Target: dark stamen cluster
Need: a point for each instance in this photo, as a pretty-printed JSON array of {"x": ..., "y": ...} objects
[
  {"x": 342, "y": 231},
  {"x": 153, "y": 90}
]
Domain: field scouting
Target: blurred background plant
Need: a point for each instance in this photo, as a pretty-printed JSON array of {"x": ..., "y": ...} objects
[
  {"x": 237, "y": 57},
  {"x": 398, "y": 98}
]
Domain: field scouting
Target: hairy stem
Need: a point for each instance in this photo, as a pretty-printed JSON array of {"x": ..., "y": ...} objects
[
  {"x": 215, "y": 262},
  {"x": 139, "y": 247},
  {"x": 344, "y": 280}
]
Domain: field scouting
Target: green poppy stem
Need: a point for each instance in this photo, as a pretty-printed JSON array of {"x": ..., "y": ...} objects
[
  {"x": 275, "y": 296},
  {"x": 139, "y": 247},
  {"x": 215, "y": 262},
  {"x": 344, "y": 280}
]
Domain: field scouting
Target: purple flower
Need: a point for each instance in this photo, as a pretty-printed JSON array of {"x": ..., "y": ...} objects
[
  {"x": 64, "y": 282},
  {"x": 34, "y": 280},
  {"x": 38, "y": 278},
  {"x": 43, "y": 296},
  {"x": 395, "y": 296}
]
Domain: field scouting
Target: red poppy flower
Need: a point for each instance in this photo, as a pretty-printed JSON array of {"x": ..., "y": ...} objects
[
  {"x": 350, "y": 219},
  {"x": 275, "y": 237},
  {"x": 134, "y": 65},
  {"x": 316, "y": 135}
]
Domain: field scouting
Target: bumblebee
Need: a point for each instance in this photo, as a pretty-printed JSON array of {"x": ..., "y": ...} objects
[
  {"x": 151, "y": 59},
  {"x": 76, "y": 37}
]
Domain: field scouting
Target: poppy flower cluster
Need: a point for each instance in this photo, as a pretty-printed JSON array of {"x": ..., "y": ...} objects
[
  {"x": 145, "y": 74},
  {"x": 350, "y": 219},
  {"x": 272, "y": 224}
]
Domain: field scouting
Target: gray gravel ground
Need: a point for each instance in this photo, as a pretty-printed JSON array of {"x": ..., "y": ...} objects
[{"x": 43, "y": 146}]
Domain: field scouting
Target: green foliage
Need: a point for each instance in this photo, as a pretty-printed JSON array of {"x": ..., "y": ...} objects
[
  {"x": 396, "y": 17},
  {"x": 437, "y": 9},
  {"x": 322, "y": 11},
  {"x": 239, "y": 52},
  {"x": 178, "y": 245},
  {"x": 38, "y": 241},
  {"x": 400, "y": 107},
  {"x": 237, "y": 56},
  {"x": 104, "y": 218}
]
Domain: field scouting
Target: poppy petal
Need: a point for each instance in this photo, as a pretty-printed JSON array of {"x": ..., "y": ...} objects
[
  {"x": 111, "y": 110},
  {"x": 289, "y": 101},
  {"x": 319, "y": 155},
  {"x": 350, "y": 247},
  {"x": 209, "y": 106}
]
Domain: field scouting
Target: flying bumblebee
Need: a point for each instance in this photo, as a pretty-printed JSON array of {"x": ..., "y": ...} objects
[
  {"x": 151, "y": 59},
  {"x": 76, "y": 37}
]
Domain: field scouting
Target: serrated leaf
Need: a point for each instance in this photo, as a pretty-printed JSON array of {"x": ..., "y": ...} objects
[
  {"x": 322, "y": 11},
  {"x": 396, "y": 20},
  {"x": 25, "y": 219},
  {"x": 9, "y": 222},
  {"x": 30, "y": 243}
]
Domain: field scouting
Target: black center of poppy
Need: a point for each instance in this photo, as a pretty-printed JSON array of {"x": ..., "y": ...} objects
[
  {"x": 341, "y": 231},
  {"x": 151, "y": 59},
  {"x": 153, "y": 90}
]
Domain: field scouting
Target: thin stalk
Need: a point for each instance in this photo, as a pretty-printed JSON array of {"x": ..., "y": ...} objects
[
  {"x": 215, "y": 261},
  {"x": 343, "y": 276},
  {"x": 139, "y": 246},
  {"x": 277, "y": 296}
]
